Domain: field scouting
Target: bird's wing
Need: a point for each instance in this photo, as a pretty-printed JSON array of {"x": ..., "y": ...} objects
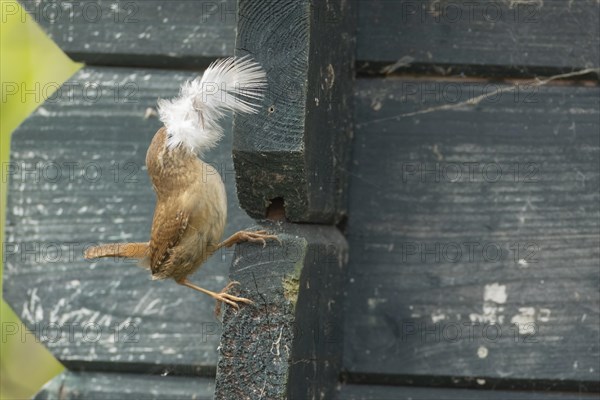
[{"x": 167, "y": 230}]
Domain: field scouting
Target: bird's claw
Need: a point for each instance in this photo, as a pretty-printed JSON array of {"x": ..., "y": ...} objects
[
  {"x": 259, "y": 236},
  {"x": 224, "y": 297}
]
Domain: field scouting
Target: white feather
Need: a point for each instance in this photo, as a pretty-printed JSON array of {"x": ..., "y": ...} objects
[{"x": 193, "y": 119}]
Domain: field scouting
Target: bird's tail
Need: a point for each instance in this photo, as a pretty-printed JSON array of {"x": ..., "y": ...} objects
[
  {"x": 127, "y": 250},
  {"x": 194, "y": 118}
]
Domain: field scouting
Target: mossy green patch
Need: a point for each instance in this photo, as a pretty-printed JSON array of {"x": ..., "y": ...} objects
[{"x": 291, "y": 282}]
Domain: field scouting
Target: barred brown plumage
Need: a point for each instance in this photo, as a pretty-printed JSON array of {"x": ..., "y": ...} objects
[{"x": 191, "y": 209}]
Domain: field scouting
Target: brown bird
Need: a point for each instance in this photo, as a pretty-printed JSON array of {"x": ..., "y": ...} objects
[{"x": 191, "y": 207}]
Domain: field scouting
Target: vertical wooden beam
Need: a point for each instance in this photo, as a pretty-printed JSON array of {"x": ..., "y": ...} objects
[
  {"x": 296, "y": 148},
  {"x": 288, "y": 345}
]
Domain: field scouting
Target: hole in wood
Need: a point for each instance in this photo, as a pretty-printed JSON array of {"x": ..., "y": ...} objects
[
  {"x": 271, "y": 109},
  {"x": 276, "y": 210},
  {"x": 343, "y": 224}
]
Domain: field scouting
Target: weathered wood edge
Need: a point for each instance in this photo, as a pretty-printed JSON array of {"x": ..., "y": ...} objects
[
  {"x": 296, "y": 147},
  {"x": 288, "y": 344},
  {"x": 84, "y": 386}
]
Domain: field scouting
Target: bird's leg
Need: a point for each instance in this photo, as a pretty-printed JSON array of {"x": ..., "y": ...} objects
[
  {"x": 238, "y": 237},
  {"x": 247, "y": 236},
  {"x": 224, "y": 290},
  {"x": 223, "y": 296}
]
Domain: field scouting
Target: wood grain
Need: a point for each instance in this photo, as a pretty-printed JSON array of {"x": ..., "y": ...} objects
[
  {"x": 473, "y": 231},
  {"x": 296, "y": 147},
  {"x": 474, "y": 234},
  {"x": 145, "y": 33},
  {"x": 288, "y": 344},
  {"x": 78, "y": 178},
  {"x": 109, "y": 386},
  {"x": 371, "y": 392},
  {"x": 440, "y": 37},
  {"x": 475, "y": 37}
]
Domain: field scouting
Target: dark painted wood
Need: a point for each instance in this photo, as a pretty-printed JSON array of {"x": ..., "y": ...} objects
[
  {"x": 474, "y": 234},
  {"x": 365, "y": 392},
  {"x": 296, "y": 147},
  {"x": 182, "y": 33},
  {"x": 99, "y": 386},
  {"x": 425, "y": 184},
  {"x": 454, "y": 37},
  {"x": 446, "y": 38},
  {"x": 288, "y": 344},
  {"x": 77, "y": 177}
]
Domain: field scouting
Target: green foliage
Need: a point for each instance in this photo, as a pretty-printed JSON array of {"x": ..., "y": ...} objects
[{"x": 29, "y": 61}]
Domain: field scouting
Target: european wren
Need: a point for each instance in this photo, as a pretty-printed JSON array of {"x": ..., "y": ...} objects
[{"x": 191, "y": 206}]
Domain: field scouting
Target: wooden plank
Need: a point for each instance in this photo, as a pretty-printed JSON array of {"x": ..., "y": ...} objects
[
  {"x": 474, "y": 234},
  {"x": 174, "y": 33},
  {"x": 444, "y": 37},
  {"x": 298, "y": 146},
  {"x": 454, "y": 37},
  {"x": 77, "y": 177},
  {"x": 368, "y": 392},
  {"x": 288, "y": 345},
  {"x": 106, "y": 386}
]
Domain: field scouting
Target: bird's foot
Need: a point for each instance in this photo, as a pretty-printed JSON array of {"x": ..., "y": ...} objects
[
  {"x": 256, "y": 237},
  {"x": 224, "y": 297},
  {"x": 248, "y": 236}
]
